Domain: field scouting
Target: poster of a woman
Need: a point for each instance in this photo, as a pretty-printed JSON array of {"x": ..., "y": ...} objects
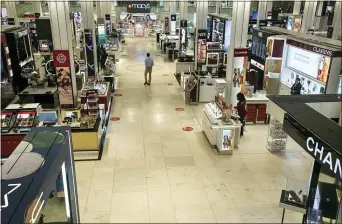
[{"x": 64, "y": 85}]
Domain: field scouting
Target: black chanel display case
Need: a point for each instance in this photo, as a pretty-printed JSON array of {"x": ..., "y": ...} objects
[
  {"x": 38, "y": 183},
  {"x": 306, "y": 120}
]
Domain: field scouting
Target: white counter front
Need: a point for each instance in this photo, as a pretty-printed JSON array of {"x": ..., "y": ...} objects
[
  {"x": 257, "y": 99},
  {"x": 225, "y": 137}
]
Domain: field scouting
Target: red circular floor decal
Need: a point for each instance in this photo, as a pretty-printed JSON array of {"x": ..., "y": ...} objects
[
  {"x": 180, "y": 109},
  {"x": 114, "y": 118},
  {"x": 118, "y": 94},
  {"x": 170, "y": 84},
  {"x": 165, "y": 75},
  {"x": 188, "y": 129}
]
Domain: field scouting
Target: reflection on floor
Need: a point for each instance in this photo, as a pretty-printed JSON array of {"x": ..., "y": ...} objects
[
  {"x": 153, "y": 171},
  {"x": 54, "y": 211}
]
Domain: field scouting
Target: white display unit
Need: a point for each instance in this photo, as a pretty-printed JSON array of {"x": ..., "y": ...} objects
[
  {"x": 277, "y": 138},
  {"x": 215, "y": 130}
]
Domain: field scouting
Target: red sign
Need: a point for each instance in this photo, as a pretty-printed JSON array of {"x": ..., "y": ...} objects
[
  {"x": 179, "y": 109},
  {"x": 165, "y": 75},
  {"x": 240, "y": 52},
  {"x": 188, "y": 129},
  {"x": 118, "y": 94},
  {"x": 114, "y": 118},
  {"x": 61, "y": 58},
  {"x": 169, "y": 84}
]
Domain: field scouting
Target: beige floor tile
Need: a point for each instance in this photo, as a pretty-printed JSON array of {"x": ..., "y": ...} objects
[
  {"x": 189, "y": 199},
  {"x": 154, "y": 162},
  {"x": 99, "y": 201},
  {"x": 161, "y": 215},
  {"x": 132, "y": 163},
  {"x": 154, "y": 149},
  {"x": 129, "y": 203},
  {"x": 256, "y": 210},
  {"x": 217, "y": 192},
  {"x": 130, "y": 218},
  {"x": 182, "y": 161},
  {"x": 179, "y": 175},
  {"x": 246, "y": 193},
  {"x": 102, "y": 182},
  {"x": 196, "y": 216},
  {"x": 225, "y": 211},
  {"x": 157, "y": 178},
  {"x": 96, "y": 217}
]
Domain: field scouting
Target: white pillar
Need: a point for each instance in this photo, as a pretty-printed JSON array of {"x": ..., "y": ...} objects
[
  {"x": 11, "y": 10},
  {"x": 183, "y": 10},
  {"x": 201, "y": 22},
  {"x": 218, "y": 7},
  {"x": 296, "y": 7},
  {"x": 173, "y": 7},
  {"x": 269, "y": 6},
  {"x": 337, "y": 20},
  {"x": 318, "y": 12},
  {"x": 239, "y": 35},
  {"x": 262, "y": 11},
  {"x": 201, "y": 14},
  {"x": 62, "y": 36},
  {"x": 88, "y": 24},
  {"x": 308, "y": 16}
]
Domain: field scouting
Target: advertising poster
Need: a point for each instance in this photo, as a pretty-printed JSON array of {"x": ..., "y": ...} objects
[
  {"x": 102, "y": 34},
  {"x": 107, "y": 24},
  {"x": 167, "y": 25},
  {"x": 183, "y": 36},
  {"x": 269, "y": 47},
  {"x": 173, "y": 24},
  {"x": 239, "y": 72},
  {"x": 64, "y": 87},
  {"x": 201, "y": 46},
  {"x": 273, "y": 66},
  {"x": 88, "y": 36},
  {"x": 309, "y": 63},
  {"x": 227, "y": 140},
  {"x": 227, "y": 34}
]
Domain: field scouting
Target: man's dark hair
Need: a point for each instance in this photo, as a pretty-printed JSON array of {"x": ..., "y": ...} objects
[{"x": 148, "y": 54}]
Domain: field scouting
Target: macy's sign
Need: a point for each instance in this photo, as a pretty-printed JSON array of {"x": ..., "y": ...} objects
[{"x": 139, "y": 6}]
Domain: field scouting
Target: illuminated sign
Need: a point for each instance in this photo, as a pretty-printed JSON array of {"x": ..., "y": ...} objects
[{"x": 138, "y": 7}]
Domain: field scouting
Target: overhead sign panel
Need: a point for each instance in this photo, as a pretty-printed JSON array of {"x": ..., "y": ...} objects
[{"x": 138, "y": 7}]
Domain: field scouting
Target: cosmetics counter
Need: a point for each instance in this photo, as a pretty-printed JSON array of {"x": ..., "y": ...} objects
[
  {"x": 168, "y": 40},
  {"x": 221, "y": 125},
  {"x": 38, "y": 182},
  {"x": 318, "y": 197}
]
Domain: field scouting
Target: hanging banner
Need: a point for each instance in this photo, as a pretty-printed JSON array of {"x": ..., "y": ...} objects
[
  {"x": 167, "y": 25},
  {"x": 239, "y": 72},
  {"x": 173, "y": 24},
  {"x": 201, "y": 46},
  {"x": 107, "y": 24},
  {"x": 61, "y": 60},
  {"x": 183, "y": 36},
  {"x": 101, "y": 34},
  {"x": 138, "y": 7},
  {"x": 88, "y": 36}
]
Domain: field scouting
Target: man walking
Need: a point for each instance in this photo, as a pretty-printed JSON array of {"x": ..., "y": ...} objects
[{"x": 148, "y": 69}]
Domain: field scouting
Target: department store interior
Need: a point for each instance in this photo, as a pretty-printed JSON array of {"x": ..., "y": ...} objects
[{"x": 231, "y": 125}]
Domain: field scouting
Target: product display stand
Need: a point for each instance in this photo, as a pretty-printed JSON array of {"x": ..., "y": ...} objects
[{"x": 277, "y": 138}]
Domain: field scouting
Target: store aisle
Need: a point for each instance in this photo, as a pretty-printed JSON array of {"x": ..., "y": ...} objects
[{"x": 153, "y": 171}]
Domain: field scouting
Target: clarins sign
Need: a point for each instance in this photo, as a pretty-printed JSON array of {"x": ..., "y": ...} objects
[
  {"x": 138, "y": 7},
  {"x": 315, "y": 49},
  {"x": 322, "y": 51},
  {"x": 324, "y": 156}
]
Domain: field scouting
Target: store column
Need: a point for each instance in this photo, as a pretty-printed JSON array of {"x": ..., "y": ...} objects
[
  {"x": 201, "y": 26},
  {"x": 238, "y": 40},
  {"x": 262, "y": 11},
  {"x": 183, "y": 10},
  {"x": 89, "y": 33},
  {"x": 100, "y": 12},
  {"x": 337, "y": 21},
  {"x": 218, "y": 7},
  {"x": 63, "y": 54},
  {"x": 173, "y": 17},
  {"x": 11, "y": 12},
  {"x": 296, "y": 7},
  {"x": 308, "y": 16}
]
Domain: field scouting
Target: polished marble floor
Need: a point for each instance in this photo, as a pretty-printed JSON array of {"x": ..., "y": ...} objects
[{"x": 153, "y": 171}]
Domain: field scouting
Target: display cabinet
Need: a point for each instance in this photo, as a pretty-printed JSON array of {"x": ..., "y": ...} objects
[{"x": 277, "y": 138}]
